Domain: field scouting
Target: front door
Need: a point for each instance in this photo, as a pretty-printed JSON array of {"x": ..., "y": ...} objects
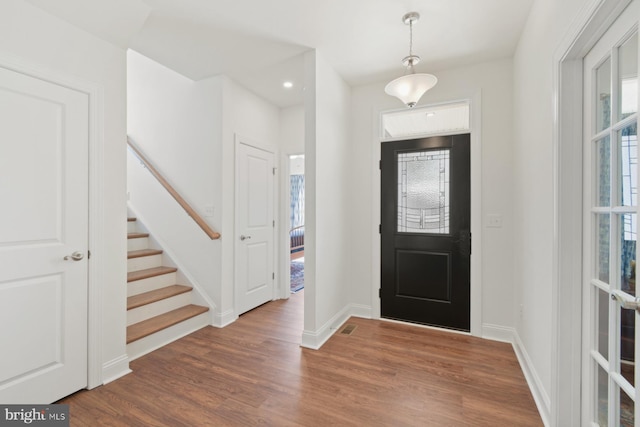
[
  {"x": 255, "y": 227},
  {"x": 610, "y": 198},
  {"x": 43, "y": 239},
  {"x": 425, "y": 231}
]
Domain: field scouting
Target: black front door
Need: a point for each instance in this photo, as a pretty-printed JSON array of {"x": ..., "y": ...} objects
[{"x": 425, "y": 235}]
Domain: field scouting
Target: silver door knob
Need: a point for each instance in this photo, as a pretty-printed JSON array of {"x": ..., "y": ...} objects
[
  {"x": 625, "y": 300},
  {"x": 243, "y": 237},
  {"x": 76, "y": 256}
]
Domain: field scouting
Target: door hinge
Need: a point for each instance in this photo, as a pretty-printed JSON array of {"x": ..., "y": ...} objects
[
  {"x": 379, "y": 228},
  {"x": 273, "y": 276},
  {"x": 274, "y": 222},
  {"x": 274, "y": 171},
  {"x": 88, "y": 254},
  {"x": 380, "y": 164},
  {"x": 379, "y": 292},
  {"x": 470, "y": 244}
]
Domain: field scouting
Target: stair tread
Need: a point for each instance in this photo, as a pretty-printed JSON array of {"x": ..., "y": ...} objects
[
  {"x": 143, "y": 252},
  {"x": 149, "y": 272},
  {"x": 131, "y": 219},
  {"x": 136, "y": 235},
  {"x": 147, "y": 327},
  {"x": 145, "y": 298}
]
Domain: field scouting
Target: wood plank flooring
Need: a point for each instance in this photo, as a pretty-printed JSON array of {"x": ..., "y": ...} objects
[{"x": 253, "y": 372}]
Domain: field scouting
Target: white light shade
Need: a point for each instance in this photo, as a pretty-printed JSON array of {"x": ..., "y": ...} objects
[{"x": 410, "y": 88}]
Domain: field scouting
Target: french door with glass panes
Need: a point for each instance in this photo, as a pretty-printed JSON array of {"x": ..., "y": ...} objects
[{"x": 609, "y": 396}]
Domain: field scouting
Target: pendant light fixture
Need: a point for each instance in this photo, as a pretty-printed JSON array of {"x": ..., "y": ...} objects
[{"x": 410, "y": 87}]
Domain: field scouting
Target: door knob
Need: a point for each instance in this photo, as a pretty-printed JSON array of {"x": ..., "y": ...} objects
[
  {"x": 243, "y": 237},
  {"x": 76, "y": 256}
]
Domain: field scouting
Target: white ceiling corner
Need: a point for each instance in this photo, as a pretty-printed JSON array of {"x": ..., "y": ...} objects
[{"x": 115, "y": 21}]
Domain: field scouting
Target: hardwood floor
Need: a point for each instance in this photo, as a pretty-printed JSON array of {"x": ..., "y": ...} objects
[{"x": 253, "y": 372}]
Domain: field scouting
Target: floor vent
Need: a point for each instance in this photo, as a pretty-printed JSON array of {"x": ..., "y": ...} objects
[{"x": 348, "y": 329}]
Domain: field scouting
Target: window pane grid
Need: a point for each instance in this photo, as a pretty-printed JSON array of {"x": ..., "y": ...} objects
[{"x": 614, "y": 226}]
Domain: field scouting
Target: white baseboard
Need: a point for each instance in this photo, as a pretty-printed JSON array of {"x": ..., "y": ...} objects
[
  {"x": 114, "y": 369},
  {"x": 497, "y": 333},
  {"x": 315, "y": 340},
  {"x": 220, "y": 320},
  {"x": 358, "y": 310},
  {"x": 540, "y": 396}
]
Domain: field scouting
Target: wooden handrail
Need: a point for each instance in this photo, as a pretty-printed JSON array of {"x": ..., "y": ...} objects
[{"x": 190, "y": 211}]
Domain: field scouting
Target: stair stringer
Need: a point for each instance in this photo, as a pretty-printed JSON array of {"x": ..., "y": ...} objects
[{"x": 200, "y": 297}]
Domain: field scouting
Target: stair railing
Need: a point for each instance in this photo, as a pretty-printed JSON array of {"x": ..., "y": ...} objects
[{"x": 183, "y": 203}]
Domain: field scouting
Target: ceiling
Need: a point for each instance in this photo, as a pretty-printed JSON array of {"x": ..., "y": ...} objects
[{"x": 259, "y": 43}]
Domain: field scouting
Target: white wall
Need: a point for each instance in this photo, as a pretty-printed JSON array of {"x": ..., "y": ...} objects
[
  {"x": 177, "y": 124},
  {"x": 327, "y": 234},
  {"x": 296, "y": 165},
  {"x": 47, "y": 44},
  {"x": 494, "y": 81},
  {"x": 292, "y": 130},
  {"x": 547, "y": 24}
]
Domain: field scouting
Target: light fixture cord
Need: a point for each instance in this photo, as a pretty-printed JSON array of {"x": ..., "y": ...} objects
[
  {"x": 411, "y": 70},
  {"x": 411, "y": 38}
]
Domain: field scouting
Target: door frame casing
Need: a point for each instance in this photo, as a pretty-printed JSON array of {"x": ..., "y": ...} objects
[
  {"x": 566, "y": 346},
  {"x": 95, "y": 244},
  {"x": 277, "y": 281},
  {"x": 475, "y": 129}
]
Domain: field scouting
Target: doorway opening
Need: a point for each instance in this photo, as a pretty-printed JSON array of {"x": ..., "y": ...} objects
[
  {"x": 423, "y": 280},
  {"x": 296, "y": 221}
]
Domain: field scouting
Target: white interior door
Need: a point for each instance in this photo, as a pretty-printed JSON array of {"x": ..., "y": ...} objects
[
  {"x": 254, "y": 226},
  {"x": 43, "y": 219},
  {"x": 610, "y": 334}
]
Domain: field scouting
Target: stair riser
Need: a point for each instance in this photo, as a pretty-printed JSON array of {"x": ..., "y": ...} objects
[
  {"x": 157, "y": 308},
  {"x": 137, "y": 244},
  {"x": 161, "y": 338},
  {"x": 151, "y": 284},
  {"x": 142, "y": 263},
  {"x": 131, "y": 227}
]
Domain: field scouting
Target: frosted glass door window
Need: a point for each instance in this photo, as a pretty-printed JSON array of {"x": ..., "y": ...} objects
[{"x": 423, "y": 192}]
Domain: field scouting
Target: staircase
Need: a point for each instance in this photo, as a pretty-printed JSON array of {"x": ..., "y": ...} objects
[{"x": 159, "y": 310}]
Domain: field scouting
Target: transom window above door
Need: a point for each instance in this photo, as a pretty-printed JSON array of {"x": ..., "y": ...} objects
[{"x": 453, "y": 117}]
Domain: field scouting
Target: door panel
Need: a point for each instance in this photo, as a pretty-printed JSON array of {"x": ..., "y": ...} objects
[
  {"x": 413, "y": 266},
  {"x": 425, "y": 235},
  {"x": 44, "y": 217},
  {"x": 254, "y": 247},
  {"x": 610, "y": 225}
]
